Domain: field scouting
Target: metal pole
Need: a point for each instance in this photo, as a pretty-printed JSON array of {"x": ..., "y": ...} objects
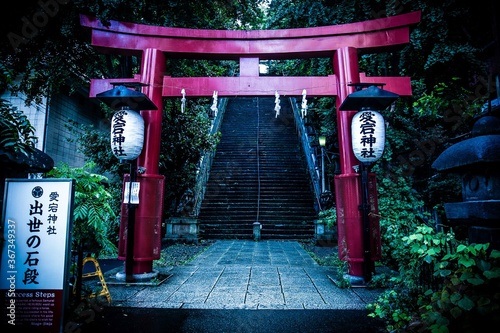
[
  {"x": 129, "y": 259},
  {"x": 365, "y": 207},
  {"x": 322, "y": 169}
]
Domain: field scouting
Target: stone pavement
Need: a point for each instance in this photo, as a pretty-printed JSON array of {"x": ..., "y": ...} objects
[{"x": 241, "y": 274}]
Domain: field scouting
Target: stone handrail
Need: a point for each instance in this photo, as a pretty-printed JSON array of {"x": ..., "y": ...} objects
[
  {"x": 309, "y": 153},
  {"x": 205, "y": 163}
]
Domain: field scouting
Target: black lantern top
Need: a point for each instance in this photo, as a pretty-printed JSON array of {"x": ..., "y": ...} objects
[
  {"x": 121, "y": 96},
  {"x": 372, "y": 98}
]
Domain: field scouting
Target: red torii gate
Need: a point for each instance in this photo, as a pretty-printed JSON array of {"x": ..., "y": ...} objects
[{"x": 155, "y": 44}]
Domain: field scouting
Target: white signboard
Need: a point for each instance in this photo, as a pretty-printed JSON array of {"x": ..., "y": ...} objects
[
  {"x": 131, "y": 193},
  {"x": 368, "y": 136},
  {"x": 37, "y": 216}
]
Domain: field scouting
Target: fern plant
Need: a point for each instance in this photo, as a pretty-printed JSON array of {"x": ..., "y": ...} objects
[{"x": 93, "y": 216}]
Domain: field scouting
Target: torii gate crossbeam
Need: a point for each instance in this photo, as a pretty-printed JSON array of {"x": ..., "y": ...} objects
[{"x": 341, "y": 43}]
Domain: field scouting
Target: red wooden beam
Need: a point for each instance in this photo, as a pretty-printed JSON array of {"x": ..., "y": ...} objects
[
  {"x": 249, "y": 46},
  {"x": 250, "y": 86},
  {"x": 317, "y": 86},
  {"x": 133, "y": 38},
  {"x": 340, "y": 29}
]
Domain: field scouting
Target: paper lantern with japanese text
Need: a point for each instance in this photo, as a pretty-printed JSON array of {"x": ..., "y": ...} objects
[
  {"x": 127, "y": 134},
  {"x": 368, "y": 135}
]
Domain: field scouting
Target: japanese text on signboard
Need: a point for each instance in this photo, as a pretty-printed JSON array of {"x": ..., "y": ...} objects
[{"x": 35, "y": 224}]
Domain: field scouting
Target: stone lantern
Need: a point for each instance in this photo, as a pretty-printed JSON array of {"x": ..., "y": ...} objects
[{"x": 477, "y": 161}]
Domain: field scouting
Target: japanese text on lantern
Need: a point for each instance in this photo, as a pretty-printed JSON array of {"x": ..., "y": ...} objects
[
  {"x": 118, "y": 138},
  {"x": 368, "y": 136},
  {"x": 368, "y": 124}
]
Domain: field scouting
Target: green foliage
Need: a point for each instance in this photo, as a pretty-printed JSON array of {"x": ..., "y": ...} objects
[
  {"x": 93, "y": 216},
  {"x": 95, "y": 145},
  {"x": 194, "y": 68},
  {"x": 57, "y": 52},
  {"x": 394, "y": 307},
  {"x": 328, "y": 217},
  {"x": 469, "y": 299},
  {"x": 448, "y": 41},
  {"x": 414, "y": 300},
  {"x": 449, "y": 104},
  {"x": 398, "y": 305},
  {"x": 311, "y": 13},
  {"x": 16, "y": 131},
  {"x": 399, "y": 216},
  {"x": 425, "y": 247},
  {"x": 185, "y": 139},
  {"x": 17, "y": 135},
  {"x": 444, "y": 285}
]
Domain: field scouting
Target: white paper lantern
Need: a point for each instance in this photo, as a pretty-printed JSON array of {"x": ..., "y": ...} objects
[
  {"x": 368, "y": 135},
  {"x": 127, "y": 134}
]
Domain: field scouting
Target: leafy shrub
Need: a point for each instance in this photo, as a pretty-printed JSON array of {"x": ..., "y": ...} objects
[
  {"x": 328, "y": 217},
  {"x": 469, "y": 300},
  {"x": 93, "y": 217},
  {"x": 444, "y": 285}
]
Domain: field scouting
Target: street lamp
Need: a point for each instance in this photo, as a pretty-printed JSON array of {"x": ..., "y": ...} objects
[
  {"x": 326, "y": 198},
  {"x": 322, "y": 143},
  {"x": 368, "y": 140},
  {"x": 127, "y": 140}
]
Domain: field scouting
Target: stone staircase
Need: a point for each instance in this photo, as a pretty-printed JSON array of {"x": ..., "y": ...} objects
[{"x": 257, "y": 175}]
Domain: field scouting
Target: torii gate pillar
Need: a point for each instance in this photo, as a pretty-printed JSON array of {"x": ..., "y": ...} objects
[
  {"x": 351, "y": 246},
  {"x": 149, "y": 212}
]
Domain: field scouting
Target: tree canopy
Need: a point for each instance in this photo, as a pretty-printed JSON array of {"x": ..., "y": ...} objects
[{"x": 43, "y": 40}]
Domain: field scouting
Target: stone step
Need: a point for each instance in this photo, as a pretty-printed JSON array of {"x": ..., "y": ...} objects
[{"x": 243, "y": 155}]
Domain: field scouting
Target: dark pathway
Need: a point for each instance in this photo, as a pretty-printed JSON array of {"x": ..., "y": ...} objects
[{"x": 239, "y": 286}]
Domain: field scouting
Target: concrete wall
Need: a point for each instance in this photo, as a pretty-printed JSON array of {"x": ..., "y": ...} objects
[
  {"x": 59, "y": 144},
  {"x": 50, "y": 119}
]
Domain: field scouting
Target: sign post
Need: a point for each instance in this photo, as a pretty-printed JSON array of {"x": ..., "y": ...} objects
[{"x": 36, "y": 245}]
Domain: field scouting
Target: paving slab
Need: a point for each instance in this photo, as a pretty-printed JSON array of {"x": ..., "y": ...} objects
[{"x": 244, "y": 274}]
